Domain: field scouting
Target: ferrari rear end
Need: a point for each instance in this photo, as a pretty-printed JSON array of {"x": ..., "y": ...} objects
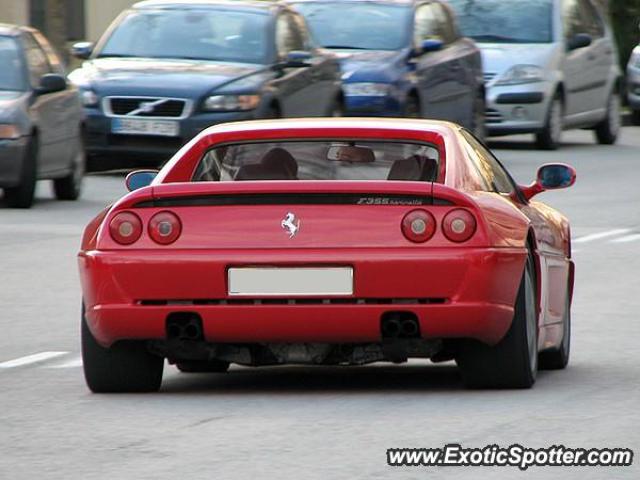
[{"x": 244, "y": 265}]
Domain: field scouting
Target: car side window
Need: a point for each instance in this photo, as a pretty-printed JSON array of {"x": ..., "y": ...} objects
[
  {"x": 288, "y": 37},
  {"x": 573, "y": 19},
  {"x": 449, "y": 31},
  {"x": 52, "y": 57},
  {"x": 592, "y": 20},
  {"x": 426, "y": 24},
  {"x": 488, "y": 166},
  {"x": 303, "y": 31},
  {"x": 36, "y": 60}
]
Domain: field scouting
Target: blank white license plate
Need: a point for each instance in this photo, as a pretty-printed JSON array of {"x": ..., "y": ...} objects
[
  {"x": 284, "y": 282},
  {"x": 134, "y": 126}
]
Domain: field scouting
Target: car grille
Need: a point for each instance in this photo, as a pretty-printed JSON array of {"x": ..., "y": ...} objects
[
  {"x": 493, "y": 116},
  {"x": 489, "y": 76},
  {"x": 147, "y": 107}
]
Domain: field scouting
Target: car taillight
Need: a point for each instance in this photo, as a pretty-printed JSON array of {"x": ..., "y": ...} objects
[
  {"x": 459, "y": 225},
  {"x": 418, "y": 226},
  {"x": 125, "y": 228},
  {"x": 165, "y": 228}
]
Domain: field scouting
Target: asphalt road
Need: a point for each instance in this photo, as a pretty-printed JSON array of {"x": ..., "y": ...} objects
[{"x": 320, "y": 423}]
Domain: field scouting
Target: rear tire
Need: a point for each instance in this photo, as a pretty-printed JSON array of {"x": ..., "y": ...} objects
[
  {"x": 412, "y": 107},
  {"x": 608, "y": 129},
  {"x": 123, "y": 367},
  {"x": 558, "y": 359},
  {"x": 551, "y": 135},
  {"x": 479, "y": 123},
  {"x": 513, "y": 362},
  {"x": 23, "y": 194},
  {"x": 635, "y": 117},
  {"x": 211, "y": 366},
  {"x": 70, "y": 187}
]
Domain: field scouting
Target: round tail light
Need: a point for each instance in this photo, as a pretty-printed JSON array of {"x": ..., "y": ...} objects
[
  {"x": 165, "y": 228},
  {"x": 459, "y": 225},
  {"x": 125, "y": 228},
  {"x": 418, "y": 226}
]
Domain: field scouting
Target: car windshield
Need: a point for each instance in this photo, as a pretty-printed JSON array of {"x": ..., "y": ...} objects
[
  {"x": 319, "y": 160},
  {"x": 212, "y": 35},
  {"x": 361, "y": 25},
  {"x": 12, "y": 68},
  {"x": 505, "y": 21}
]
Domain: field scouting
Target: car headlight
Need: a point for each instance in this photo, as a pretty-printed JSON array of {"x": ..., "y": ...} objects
[
  {"x": 229, "y": 103},
  {"x": 89, "y": 98},
  {"x": 519, "y": 74},
  {"x": 366, "y": 89},
  {"x": 9, "y": 132}
]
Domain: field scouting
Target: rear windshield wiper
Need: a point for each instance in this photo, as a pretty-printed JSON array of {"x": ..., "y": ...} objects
[
  {"x": 345, "y": 47},
  {"x": 499, "y": 38}
]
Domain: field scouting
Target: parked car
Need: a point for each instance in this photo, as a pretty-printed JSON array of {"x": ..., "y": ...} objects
[
  {"x": 373, "y": 240},
  {"x": 633, "y": 84},
  {"x": 41, "y": 119},
  {"x": 166, "y": 70},
  {"x": 401, "y": 59},
  {"x": 550, "y": 65}
]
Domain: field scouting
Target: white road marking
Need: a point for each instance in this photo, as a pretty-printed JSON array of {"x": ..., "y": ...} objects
[
  {"x": 75, "y": 362},
  {"x": 29, "y": 359},
  {"x": 601, "y": 235},
  {"x": 627, "y": 239}
]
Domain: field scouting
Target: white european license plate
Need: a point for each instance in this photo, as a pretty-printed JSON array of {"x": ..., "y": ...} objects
[
  {"x": 134, "y": 126},
  {"x": 284, "y": 282}
]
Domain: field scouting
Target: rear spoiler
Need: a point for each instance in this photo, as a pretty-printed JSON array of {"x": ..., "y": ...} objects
[{"x": 298, "y": 193}]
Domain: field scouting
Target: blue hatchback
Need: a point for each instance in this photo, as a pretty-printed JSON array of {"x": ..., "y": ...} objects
[{"x": 401, "y": 58}]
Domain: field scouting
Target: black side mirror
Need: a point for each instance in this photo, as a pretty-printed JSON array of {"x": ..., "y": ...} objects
[
  {"x": 139, "y": 179},
  {"x": 579, "y": 40},
  {"x": 426, "y": 46},
  {"x": 82, "y": 50},
  {"x": 51, "y": 83},
  {"x": 296, "y": 59}
]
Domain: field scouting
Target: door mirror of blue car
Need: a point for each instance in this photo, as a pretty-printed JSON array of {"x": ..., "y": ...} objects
[
  {"x": 51, "y": 83},
  {"x": 579, "y": 40},
  {"x": 82, "y": 50},
  {"x": 552, "y": 176},
  {"x": 139, "y": 179},
  {"x": 298, "y": 58}
]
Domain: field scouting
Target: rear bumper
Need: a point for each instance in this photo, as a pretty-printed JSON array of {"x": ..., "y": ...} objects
[{"x": 454, "y": 292}]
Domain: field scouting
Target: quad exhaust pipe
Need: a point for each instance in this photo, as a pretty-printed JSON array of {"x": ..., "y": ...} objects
[
  {"x": 399, "y": 325},
  {"x": 184, "y": 326}
]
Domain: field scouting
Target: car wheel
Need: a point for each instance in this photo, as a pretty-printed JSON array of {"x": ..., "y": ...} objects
[
  {"x": 211, "y": 366},
  {"x": 337, "y": 110},
  {"x": 22, "y": 195},
  {"x": 69, "y": 187},
  {"x": 123, "y": 367},
  {"x": 607, "y": 130},
  {"x": 551, "y": 135},
  {"x": 479, "y": 126},
  {"x": 558, "y": 359},
  {"x": 272, "y": 112},
  {"x": 412, "y": 108},
  {"x": 513, "y": 362},
  {"x": 635, "y": 117}
]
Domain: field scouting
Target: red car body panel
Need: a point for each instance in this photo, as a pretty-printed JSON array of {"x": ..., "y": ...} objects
[{"x": 456, "y": 290}]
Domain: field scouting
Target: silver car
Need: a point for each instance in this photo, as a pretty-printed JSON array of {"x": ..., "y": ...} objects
[
  {"x": 549, "y": 65},
  {"x": 633, "y": 84}
]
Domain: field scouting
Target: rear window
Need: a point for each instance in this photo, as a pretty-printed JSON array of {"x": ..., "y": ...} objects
[{"x": 319, "y": 160}]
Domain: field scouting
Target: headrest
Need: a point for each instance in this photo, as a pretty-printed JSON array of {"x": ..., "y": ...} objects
[{"x": 415, "y": 168}]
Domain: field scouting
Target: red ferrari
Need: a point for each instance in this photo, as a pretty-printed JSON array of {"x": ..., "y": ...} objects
[{"x": 328, "y": 242}]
